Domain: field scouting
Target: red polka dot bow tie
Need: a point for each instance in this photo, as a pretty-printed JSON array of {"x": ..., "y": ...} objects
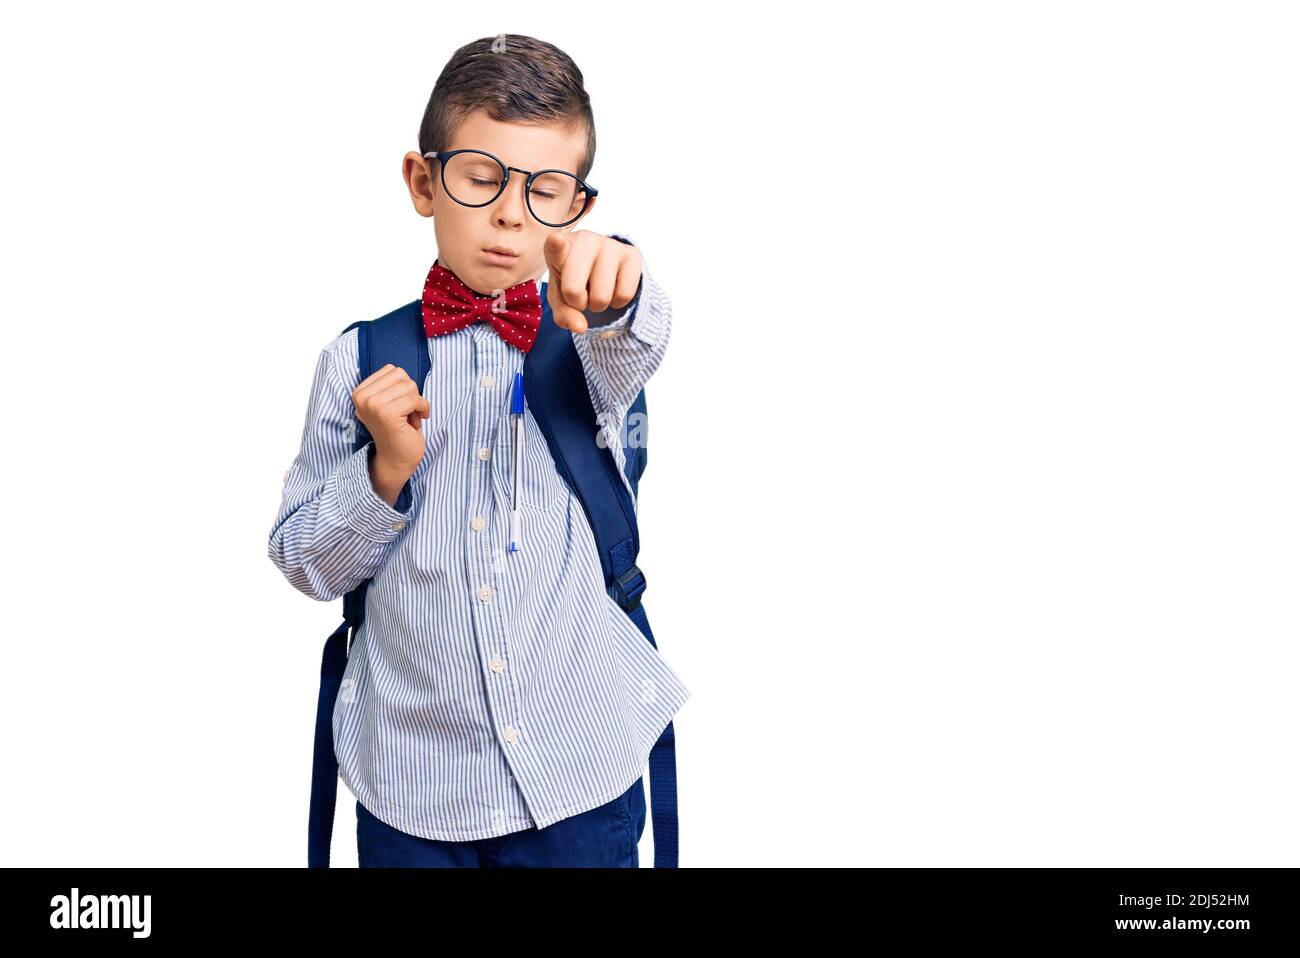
[{"x": 449, "y": 305}]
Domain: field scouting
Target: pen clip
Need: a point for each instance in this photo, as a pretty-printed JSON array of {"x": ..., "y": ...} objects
[{"x": 517, "y": 396}]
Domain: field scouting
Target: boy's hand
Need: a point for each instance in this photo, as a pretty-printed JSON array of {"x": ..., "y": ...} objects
[
  {"x": 588, "y": 271},
  {"x": 390, "y": 404}
]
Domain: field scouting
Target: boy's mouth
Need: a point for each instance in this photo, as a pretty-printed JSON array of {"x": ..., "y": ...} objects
[{"x": 500, "y": 255}]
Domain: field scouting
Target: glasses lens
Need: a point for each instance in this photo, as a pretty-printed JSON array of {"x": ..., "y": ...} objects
[
  {"x": 557, "y": 198},
  {"x": 472, "y": 178}
]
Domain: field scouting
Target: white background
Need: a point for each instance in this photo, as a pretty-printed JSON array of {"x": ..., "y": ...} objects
[{"x": 971, "y": 514}]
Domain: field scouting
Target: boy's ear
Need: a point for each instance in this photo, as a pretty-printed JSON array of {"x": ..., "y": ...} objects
[{"x": 421, "y": 179}]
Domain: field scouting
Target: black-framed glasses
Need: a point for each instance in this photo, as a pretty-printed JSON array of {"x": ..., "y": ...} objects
[{"x": 477, "y": 178}]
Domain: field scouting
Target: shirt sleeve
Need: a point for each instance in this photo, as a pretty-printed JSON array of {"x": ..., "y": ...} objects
[
  {"x": 333, "y": 531},
  {"x": 620, "y": 350}
]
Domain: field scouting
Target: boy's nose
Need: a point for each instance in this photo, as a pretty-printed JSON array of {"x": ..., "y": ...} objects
[{"x": 510, "y": 208}]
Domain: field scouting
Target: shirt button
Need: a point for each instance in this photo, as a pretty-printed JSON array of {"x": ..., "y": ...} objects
[
  {"x": 484, "y": 453},
  {"x": 497, "y": 663},
  {"x": 485, "y": 592},
  {"x": 511, "y": 735},
  {"x": 609, "y": 334},
  {"x": 477, "y": 523},
  {"x": 397, "y": 526},
  {"x": 487, "y": 382}
]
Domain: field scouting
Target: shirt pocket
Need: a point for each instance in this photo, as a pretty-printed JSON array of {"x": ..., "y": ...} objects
[{"x": 541, "y": 484}]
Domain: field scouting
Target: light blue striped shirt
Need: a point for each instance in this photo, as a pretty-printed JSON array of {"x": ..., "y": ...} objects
[{"x": 486, "y": 691}]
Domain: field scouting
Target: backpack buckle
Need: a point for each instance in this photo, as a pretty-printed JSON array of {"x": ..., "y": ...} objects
[{"x": 627, "y": 589}]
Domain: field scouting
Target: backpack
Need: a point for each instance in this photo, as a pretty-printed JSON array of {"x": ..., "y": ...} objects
[{"x": 555, "y": 388}]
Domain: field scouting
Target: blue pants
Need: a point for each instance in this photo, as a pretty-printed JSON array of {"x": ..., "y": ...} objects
[{"x": 602, "y": 837}]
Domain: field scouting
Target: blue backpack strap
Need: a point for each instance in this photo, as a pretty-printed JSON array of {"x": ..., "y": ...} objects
[
  {"x": 555, "y": 388},
  {"x": 398, "y": 338},
  {"x": 634, "y": 443}
]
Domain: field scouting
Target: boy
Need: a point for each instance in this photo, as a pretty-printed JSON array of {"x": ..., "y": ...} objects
[{"x": 498, "y": 706}]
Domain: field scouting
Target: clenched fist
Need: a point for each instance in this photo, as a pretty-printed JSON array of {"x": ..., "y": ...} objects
[
  {"x": 390, "y": 404},
  {"x": 588, "y": 271}
]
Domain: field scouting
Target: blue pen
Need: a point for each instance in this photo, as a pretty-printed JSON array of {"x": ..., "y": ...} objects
[{"x": 517, "y": 414}]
